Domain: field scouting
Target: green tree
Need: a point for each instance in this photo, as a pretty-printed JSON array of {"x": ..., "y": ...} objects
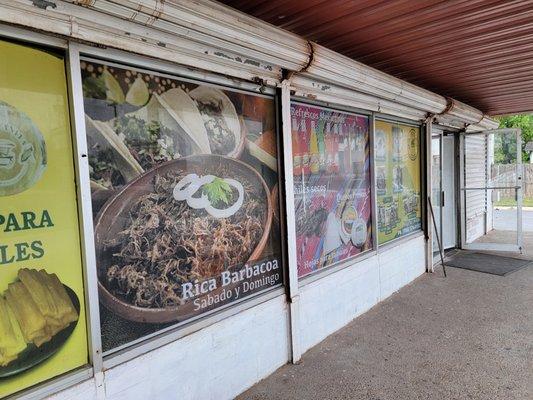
[{"x": 505, "y": 148}]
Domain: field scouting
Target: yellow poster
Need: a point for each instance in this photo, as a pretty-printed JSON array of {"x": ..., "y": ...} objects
[
  {"x": 397, "y": 161},
  {"x": 42, "y": 322}
]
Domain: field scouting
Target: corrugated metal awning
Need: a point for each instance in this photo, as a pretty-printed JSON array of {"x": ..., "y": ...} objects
[
  {"x": 477, "y": 51},
  {"x": 210, "y": 36}
]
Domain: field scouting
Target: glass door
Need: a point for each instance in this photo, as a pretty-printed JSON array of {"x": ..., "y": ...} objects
[
  {"x": 436, "y": 188},
  {"x": 448, "y": 199},
  {"x": 491, "y": 190}
]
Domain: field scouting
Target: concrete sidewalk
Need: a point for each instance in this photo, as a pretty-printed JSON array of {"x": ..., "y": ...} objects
[
  {"x": 469, "y": 336},
  {"x": 504, "y": 219}
]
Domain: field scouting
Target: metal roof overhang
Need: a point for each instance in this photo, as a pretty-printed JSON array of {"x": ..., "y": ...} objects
[
  {"x": 212, "y": 37},
  {"x": 477, "y": 51}
]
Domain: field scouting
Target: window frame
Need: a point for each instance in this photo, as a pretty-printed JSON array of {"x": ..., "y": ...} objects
[
  {"x": 159, "y": 338},
  {"x": 350, "y": 261},
  {"x": 377, "y": 248},
  {"x": 84, "y": 372},
  {"x": 411, "y": 235}
]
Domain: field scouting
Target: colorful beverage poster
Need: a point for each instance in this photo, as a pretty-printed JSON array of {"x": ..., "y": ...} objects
[
  {"x": 397, "y": 161},
  {"x": 331, "y": 186},
  {"x": 42, "y": 320},
  {"x": 184, "y": 191}
]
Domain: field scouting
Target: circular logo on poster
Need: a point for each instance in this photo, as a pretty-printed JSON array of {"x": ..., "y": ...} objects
[
  {"x": 22, "y": 151},
  {"x": 359, "y": 233},
  {"x": 413, "y": 145}
]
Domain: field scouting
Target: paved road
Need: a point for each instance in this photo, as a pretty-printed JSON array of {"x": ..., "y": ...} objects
[
  {"x": 505, "y": 219},
  {"x": 465, "y": 337}
]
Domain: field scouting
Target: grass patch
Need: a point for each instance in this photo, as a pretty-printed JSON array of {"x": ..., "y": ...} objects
[{"x": 510, "y": 202}]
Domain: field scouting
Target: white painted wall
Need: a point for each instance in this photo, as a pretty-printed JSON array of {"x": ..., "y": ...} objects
[
  {"x": 226, "y": 358},
  {"x": 83, "y": 391},
  {"x": 217, "y": 362},
  {"x": 330, "y": 303}
]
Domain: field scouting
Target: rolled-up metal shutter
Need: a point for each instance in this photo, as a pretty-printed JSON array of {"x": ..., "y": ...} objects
[{"x": 475, "y": 177}]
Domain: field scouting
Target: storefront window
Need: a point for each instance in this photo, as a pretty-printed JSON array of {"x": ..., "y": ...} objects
[
  {"x": 184, "y": 182},
  {"x": 331, "y": 186},
  {"x": 397, "y": 161},
  {"x": 42, "y": 322}
]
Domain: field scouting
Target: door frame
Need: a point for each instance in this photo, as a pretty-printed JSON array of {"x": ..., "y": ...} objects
[
  {"x": 490, "y": 246},
  {"x": 443, "y": 131},
  {"x": 454, "y": 188},
  {"x": 436, "y": 134}
]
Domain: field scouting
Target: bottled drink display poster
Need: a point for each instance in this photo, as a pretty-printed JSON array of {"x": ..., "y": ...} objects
[{"x": 331, "y": 185}]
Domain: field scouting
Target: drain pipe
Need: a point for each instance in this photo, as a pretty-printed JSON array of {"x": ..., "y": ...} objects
[
  {"x": 293, "y": 295},
  {"x": 428, "y": 228}
]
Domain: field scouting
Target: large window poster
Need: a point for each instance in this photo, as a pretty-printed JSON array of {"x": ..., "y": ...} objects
[
  {"x": 42, "y": 321},
  {"x": 184, "y": 182},
  {"x": 331, "y": 186},
  {"x": 397, "y": 163}
]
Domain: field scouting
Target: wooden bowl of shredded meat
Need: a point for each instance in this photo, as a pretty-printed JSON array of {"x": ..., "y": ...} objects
[{"x": 149, "y": 244}]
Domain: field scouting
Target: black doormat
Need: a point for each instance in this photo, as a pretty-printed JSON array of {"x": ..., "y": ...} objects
[{"x": 487, "y": 263}]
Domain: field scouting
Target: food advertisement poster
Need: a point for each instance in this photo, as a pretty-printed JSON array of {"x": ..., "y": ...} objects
[
  {"x": 397, "y": 161},
  {"x": 331, "y": 186},
  {"x": 184, "y": 191},
  {"x": 42, "y": 322}
]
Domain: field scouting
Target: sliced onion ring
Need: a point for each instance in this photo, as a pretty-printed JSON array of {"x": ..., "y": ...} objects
[
  {"x": 202, "y": 201},
  {"x": 180, "y": 193},
  {"x": 228, "y": 212},
  {"x": 183, "y": 192}
]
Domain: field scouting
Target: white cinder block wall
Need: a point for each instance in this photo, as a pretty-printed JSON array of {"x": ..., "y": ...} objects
[
  {"x": 222, "y": 360},
  {"x": 400, "y": 265},
  {"x": 328, "y": 304}
]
